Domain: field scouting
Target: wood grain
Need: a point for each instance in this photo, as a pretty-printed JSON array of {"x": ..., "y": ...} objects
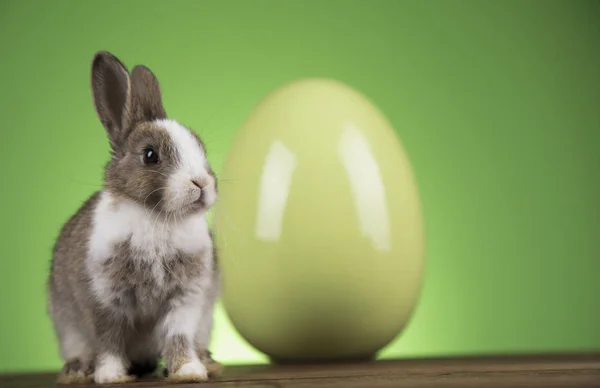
[{"x": 551, "y": 371}]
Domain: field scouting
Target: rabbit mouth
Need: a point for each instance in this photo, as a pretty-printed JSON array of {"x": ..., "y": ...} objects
[{"x": 201, "y": 200}]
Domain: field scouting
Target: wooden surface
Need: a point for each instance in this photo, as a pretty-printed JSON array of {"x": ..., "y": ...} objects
[{"x": 569, "y": 371}]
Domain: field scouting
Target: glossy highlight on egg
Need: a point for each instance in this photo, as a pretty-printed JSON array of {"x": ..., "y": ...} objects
[{"x": 319, "y": 228}]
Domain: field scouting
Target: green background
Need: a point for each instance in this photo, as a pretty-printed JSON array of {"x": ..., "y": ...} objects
[{"x": 497, "y": 104}]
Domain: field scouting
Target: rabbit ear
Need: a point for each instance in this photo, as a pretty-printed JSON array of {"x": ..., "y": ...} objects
[
  {"x": 146, "y": 100},
  {"x": 111, "y": 88}
]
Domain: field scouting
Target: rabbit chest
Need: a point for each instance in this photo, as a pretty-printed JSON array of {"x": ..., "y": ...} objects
[{"x": 139, "y": 264}]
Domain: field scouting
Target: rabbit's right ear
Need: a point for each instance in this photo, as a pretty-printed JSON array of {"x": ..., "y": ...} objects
[{"x": 111, "y": 88}]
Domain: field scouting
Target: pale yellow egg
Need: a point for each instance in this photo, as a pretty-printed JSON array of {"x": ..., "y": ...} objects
[{"x": 319, "y": 226}]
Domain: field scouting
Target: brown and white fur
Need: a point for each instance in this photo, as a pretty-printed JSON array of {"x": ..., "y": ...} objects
[{"x": 134, "y": 274}]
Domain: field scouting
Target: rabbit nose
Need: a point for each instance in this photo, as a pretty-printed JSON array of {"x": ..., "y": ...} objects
[{"x": 200, "y": 183}]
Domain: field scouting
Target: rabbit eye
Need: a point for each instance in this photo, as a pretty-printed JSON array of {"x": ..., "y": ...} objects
[{"x": 150, "y": 156}]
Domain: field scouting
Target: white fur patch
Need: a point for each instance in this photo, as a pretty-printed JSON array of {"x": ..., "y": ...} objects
[
  {"x": 192, "y": 166},
  {"x": 193, "y": 368},
  {"x": 116, "y": 221},
  {"x": 110, "y": 368},
  {"x": 155, "y": 238},
  {"x": 204, "y": 329},
  {"x": 184, "y": 318},
  {"x": 192, "y": 156}
]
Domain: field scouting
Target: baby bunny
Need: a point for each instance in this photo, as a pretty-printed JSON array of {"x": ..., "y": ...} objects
[{"x": 134, "y": 273}]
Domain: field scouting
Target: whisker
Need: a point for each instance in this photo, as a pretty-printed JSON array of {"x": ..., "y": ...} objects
[
  {"x": 156, "y": 172},
  {"x": 165, "y": 231},
  {"x": 151, "y": 211},
  {"x": 152, "y": 192},
  {"x": 83, "y": 183},
  {"x": 157, "y": 218}
]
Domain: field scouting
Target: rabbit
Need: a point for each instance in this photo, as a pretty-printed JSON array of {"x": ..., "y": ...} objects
[{"x": 134, "y": 274}]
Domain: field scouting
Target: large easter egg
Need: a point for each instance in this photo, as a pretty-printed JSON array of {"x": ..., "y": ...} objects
[{"x": 319, "y": 226}]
